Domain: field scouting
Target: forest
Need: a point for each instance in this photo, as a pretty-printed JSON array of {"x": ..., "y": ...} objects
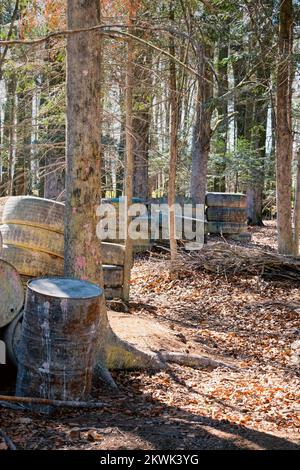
[{"x": 178, "y": 121}]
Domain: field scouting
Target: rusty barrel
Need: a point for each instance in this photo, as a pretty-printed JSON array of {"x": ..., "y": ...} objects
[{"x": 58, "y": 339}]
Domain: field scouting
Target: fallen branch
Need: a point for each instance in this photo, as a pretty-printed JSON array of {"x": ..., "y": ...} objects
[
  {"x": 48, "y": 402},
  {"x": 11, "y": 406},
  {"x": 193, "y": 360},
  {"x": 7, "y": 440}
]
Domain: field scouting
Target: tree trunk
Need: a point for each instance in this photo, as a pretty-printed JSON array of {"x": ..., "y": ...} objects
[
  {"x": 284, "y": 133},
  {"x": 54, "y": 179},
  {"x": 10, "y": 132},
  {"x": 3, "y": 99},
  {"x": 296, "y": 233},
  {"x": 254, "y": 205},
  {"x": 128, "y": 189},
  {"x": 173, "y": 147},
  {"x": 82, "y": 251},
  {"x": 83, "y": 192},
  {"x": 202, "y": 129},
  {"x": 34, "y": 163},
  {"x": 257, "y": 137},
  {"x": 222, "y": 113},
  {"x": 24, "y": 111},
  {"x": 54, "y": 183},
  {"x": 83, "y": 189},
  {"x": 121, "y": 153},
  {"x": 257, "y": 172},
  {"x": 141, "y": 120}
]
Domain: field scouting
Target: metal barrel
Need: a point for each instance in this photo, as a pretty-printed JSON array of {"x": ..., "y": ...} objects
[{"x": 58, "y": 339}]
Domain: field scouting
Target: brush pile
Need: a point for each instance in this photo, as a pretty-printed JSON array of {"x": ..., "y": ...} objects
[{"x": 226, "y": 259}]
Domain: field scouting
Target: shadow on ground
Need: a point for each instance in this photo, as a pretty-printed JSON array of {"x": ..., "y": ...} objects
[{"x": 133, "y": 420}]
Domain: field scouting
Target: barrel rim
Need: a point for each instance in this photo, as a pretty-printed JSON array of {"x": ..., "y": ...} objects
[{"x": 49, "y": 294}]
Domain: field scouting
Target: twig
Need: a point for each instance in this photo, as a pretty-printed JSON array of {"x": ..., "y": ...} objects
[
  {"x": 59, "y": 34},
  {"x": 58, "y": 403},
  {"x": 7, "y": 440}
]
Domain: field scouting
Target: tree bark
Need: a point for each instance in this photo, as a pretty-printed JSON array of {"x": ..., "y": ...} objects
[
  {"x": 173, "y": 146},
  {"x": 257, "y": 172},
  {"x": 284, "y": 132},
  {"x": 10, "y": 131},
  {"x": 24, "y": 111},
  {"x": 54, "y": 183},
  {"x": 257, "y": 137},
  {"x": 141, "y": 120},
  {"x": 222, "y": 107},
  {"x": 121, "y": 152},
  {"x": 82, "y": 252},
  {"x": 296, "y": 216},
  {"x": 128, "y": 189},
  {"x": 202, "y": 128},
  {"x": 54, "y": 172},
  {"x": 83, "y": 194},
  {"x": 34, "y": 163},
  {"x": 254, "y": 204}
]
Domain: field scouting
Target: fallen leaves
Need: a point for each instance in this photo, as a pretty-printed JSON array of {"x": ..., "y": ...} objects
[
  {"x": 248, "y": 318},
  {"x": 263, "y": 402}
]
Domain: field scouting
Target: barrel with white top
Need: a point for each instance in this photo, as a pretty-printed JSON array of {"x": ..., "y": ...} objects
[{"x": 58, "y": 339}]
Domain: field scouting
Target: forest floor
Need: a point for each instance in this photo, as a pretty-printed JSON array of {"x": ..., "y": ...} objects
[{"x": 235, "y": 318}]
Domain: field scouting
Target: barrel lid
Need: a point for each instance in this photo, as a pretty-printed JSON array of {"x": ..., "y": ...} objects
[{"x": 65, "y": 288}]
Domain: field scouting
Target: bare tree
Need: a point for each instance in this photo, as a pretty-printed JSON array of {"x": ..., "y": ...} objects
[
  {"x": 141, "y": 119},
  {"x": 202, "y": 128},
  {"x": 284, "y": 132},
  {"x": 174, "y": 118},
  {"x": 83, "y": 194},
  {"x": 296, "y": 218},
  {"x": 129, "y": 160}
]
